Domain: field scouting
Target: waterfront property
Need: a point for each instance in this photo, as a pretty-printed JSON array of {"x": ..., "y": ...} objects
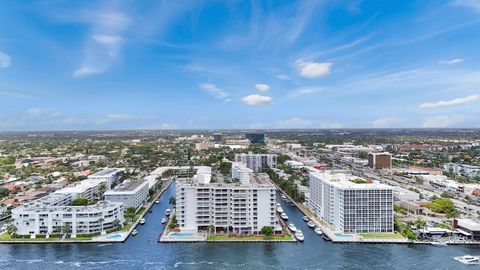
[
  {"x": 257, "y": 162},
  {"x": 132, "y": 193},
  {"x": 53, "y": 214},
  {"x": 239, "y": 207},
  {"x": 111, "y": 175},
  {"x": 351, "y": 204}
]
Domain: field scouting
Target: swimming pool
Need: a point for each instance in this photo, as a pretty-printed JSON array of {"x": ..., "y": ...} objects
[
  {"x": 114, "y": 236},
  {"x": 341, "y": 235},
  {"x": 181, "y": 234}
]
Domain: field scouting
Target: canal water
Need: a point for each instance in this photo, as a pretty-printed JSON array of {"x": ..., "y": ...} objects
[{"x": 144, "y": 252}]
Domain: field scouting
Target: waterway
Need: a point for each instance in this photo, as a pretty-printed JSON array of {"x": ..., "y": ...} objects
[{"x": 144, "y": 252}]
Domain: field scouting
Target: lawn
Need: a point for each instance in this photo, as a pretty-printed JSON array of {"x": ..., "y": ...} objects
[
  {"x": 213, "y": 237},
  {"x": 8, "y": 237},
  {"x": 382, "y": 235}
]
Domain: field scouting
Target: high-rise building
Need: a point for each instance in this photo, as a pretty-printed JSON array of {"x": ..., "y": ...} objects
[
  {"x": 132, "y": 193},
  {"x": 380, "y": 160},
  {"x": 351, "y": 204},
  {"x": 217, "y": 137},
  {"x": 257, "y": 162},
  {"x": 243, "y": 206},
  {"x": 255, "y": 137}
]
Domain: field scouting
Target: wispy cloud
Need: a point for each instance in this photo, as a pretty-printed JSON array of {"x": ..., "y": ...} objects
[
  {"x": 117, "y": 117},
  {"x": 386, "y": 122},
  {"x": 214, "y": 91},
  {"x": 305, "y": 91},
  {"x": 5, "y": 60},
  {"x": 452, "y": 61},
  {"x": 473, "y": 4},
  {"x": 294, "y": 123},
  {"x": 15, "y": 95},
  {"x": 310, "y": 69},
  {"x": 257, "y": 100},
  {"x": 262, "y": 87},
  {"x": 448, "y": 103},
  {"x": 442, "y": 121}
]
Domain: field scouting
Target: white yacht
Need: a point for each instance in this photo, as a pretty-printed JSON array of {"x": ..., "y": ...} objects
[
  {"x": 284, "y": 216},
  {"x": 157, "y": 201},
  {"x": 292, "y": 227},
  {"x": 311, "y": 224},
  {"x": 318, "y": 231},
  {"x": 299, "y": 236},
  {"x": 168, "y": 211},
  {"x": 305, "y": 218},
  {"x": 164, "y": 220},
  {"x": 142, "y": 221},
  {"x": 438, "y": 244},
  {"x": 134, "y": 232},
  {"x": 279, "y": 209},
  {"x": 468, "y": 259}
]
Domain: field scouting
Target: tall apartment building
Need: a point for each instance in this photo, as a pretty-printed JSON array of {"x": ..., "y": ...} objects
[
  {"x": 50, "y": 214},
  {"x": 132, "y": 193},
  {"x": 351, "y": 204},
  {"x": 462, "y": 169},
  {"x": 241, "y": 207},
  {"x": 257, "y": 162},
  {"x": 217, "y": 137},
  {"x": 111, "y": 175},
  {"x": 380, "y": 160},
  {"x": 87, "y": 189}
]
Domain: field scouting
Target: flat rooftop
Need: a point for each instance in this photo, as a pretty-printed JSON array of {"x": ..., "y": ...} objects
[
  {"x": 342, "y": 180},
  {"x": 127, "y": 185}
]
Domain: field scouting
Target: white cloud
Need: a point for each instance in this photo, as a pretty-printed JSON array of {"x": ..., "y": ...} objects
[
  {"x": 473, "y": 4},
  {"x": 110, "y": 42},
  {"x": 310, "y": 69},
  {"x": 448, "y": 103},
  {"x": 452, "y": 61},
  {"x": 282, "y": 77},
  {"x": 294, "y": 123},
  {"x": 257, "y": 100},
  {"x": 262, "y": 87},
  {"x": 332, "y": 125},
  {"x": 386, "y": 122},
  {"x": 109, "y": 118},
  {"x": 303, "y": 92},
  {"x": 5, "y": 60},
  {"x": 86, "y": 71},
  {"x": 442, "y": 121},
  {"x": 214, "y": 91}
]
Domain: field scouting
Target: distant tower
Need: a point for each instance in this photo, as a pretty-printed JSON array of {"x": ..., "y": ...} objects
[
  {"x": 217, "y": 137},
  {"x": 255, "y": 137}
]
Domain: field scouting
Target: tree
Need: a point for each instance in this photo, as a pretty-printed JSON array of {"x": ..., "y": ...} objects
[
  {"x": 101, "y": 220},
  {"x": 267, "y": 230},
  {"x": 116, "y": 224},
  {"x": 172, "y": 200},
  {"x": 4, "y": 192},
  {"x": 66, "y": 228},
  {"x": 130, "y": 213},
  {"x": 80, "y": 202}
]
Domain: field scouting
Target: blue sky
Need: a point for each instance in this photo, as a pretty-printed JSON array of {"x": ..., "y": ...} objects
[{"x": 239, "y": 64}]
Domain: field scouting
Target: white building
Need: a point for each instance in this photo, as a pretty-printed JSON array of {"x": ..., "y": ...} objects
[
  {"x": 241, "y": 172},
  {"x": 462, "y": 169},
  {"x": 112, "y": 175},
  {"x": 351, "y": 204},
  {"x": 405, "y": 195},
  {"x": 294, "y": 164},
  {"x": 132, "y": 193},
  {"x": 87, "y": 189},
  {"x": 257, "y": 162},
  {"x": 51, "y": 214},
  {"x": 239, "y": 207}
]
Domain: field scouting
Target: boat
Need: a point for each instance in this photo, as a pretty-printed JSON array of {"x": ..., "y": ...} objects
[
  {"x": 164, "y": 220},
  {"x": 292, "y": 227},
  {"x": 284, "y": 216},
  {"x": 325, "y": 237},
  {"x": 292, "y": 204},
  {"x": 283, "y": 196},
  {"x": 134, "y": 232},
  {"x": 306, "y": 219},
  {"x": 438, "y": 244},
  {"x": 157, "y": 201},
  {"x": 311, "y": 224},
  {"x": 150, "y": 211},
  {"x": 142, "y": 221},
  {"x": 318, "y": 231},
  {"x": 278, "y": 205},
  {"x": 168, "y": 211},
  {"x": 299, "y": 236},
  {"x": 279, "y": 209},
  {"x": 468, "y": 259}
]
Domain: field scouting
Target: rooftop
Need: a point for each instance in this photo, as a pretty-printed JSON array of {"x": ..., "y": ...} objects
[
  {"x": 127, "y": 186},
  {"x": 342, "y": 180}
]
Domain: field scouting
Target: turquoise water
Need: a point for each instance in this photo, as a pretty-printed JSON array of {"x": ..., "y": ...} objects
[
  {"x": 343, "y": 235},
  {"x": 145, "y": 252},
  {"x": 181, "y": 234},
  {"x": 114, "y": 236}
]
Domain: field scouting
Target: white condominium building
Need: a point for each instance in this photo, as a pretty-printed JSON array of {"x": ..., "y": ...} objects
[
  {"x": 462, "y": 169},
  {"x": 87, "y": 189},
  {"x": 242, "y": 207},
  {"x": 111, "y": 175},
  {"x": 241, "y": 172},
  {"x": 53, "y": 213},
  {"x": 257, "y": 162},
  {"x": 132, "y": 193},
  {"x": 351, "y": 204}
]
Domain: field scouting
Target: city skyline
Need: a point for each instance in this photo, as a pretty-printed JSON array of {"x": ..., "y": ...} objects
[{"x": 280, "y": 64}]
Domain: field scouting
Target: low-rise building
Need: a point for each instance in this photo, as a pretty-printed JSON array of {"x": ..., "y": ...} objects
[
  {"x": 111, "y": 175},
  {"x": 462, "y": 169},
  {"x": 87, "y": 189},
  {"x": 403, "y": 194},
  {"x": 132, "y": 193},
  {"x": 257, "y": 162}
]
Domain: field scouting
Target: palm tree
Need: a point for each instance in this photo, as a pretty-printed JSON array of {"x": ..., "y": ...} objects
[
  {"x": 66, "y": 228},
  {"x": 101, "y": 220},
  {"x": 116, "y": 223}
]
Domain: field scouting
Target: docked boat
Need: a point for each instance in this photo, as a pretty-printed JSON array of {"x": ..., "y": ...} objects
[
  {"x": 134, "y": 232},
  {"x": 325, "y": 237},
  {"x": 438, "y": 244},
  {"x": 311, "y": 224},
  {"x": 283, "y": 196},
  {"x": 284, "y": 216},
  {"x": 306, "y": 219},
  {"x": 279, "y": 209},
  {"x": 142, "y": 221},
  {"x": 168, "y": 211},
  {"x": 157, "y": 201},
  {"x": 278, "y": 205},
  {"x": 150, "y": 211},
  {"x": 468, "y": 259},
  {"x": 299, "y": 236},
  {"x": 292, "y": 227},
  {"x": 164, "y": 220},
  {"x": 318, "y": 231},
  {"x": 292, "y": 204}
]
